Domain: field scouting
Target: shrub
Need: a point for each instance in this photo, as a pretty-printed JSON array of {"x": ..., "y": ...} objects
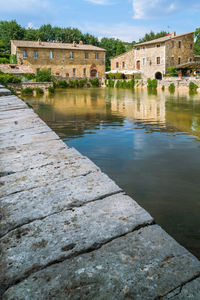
[
  {"x": 152, "y": 83},
  {"x": 27, "y": 91},
  {"x": 82, "y": 82},
  {"x": 13, "y": 59},
  {"x": 51, "y": 90},
  {"x": 171, "y": 88},
  {"x": 94, "y": 82},
  {"x": 172, "y": 71},
  {"x": 61, "y": 84},
  {"x": 44, "y": 76},
  {"x": 7, "y": 78},
  {"x": 71, "y": 84},
  {"x": 39, "y": 91},
  {"x": 193, "y": 87},
  {"x": 110, "y": 83},
  {"x": 29, "y": 76},
  {"x": 4, "y": 60}
]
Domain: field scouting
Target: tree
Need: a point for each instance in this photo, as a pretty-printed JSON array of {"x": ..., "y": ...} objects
[
  {"x": 45, "y": 33},
  {"x": 31, "y": 34},
  {"x": 120, "y": 48},
  {"x": 110, "y": 44},
  {"x": 197, "y": 41},
  {"x": 10, "y": 30},
  {"x": 152, "y": 36}
]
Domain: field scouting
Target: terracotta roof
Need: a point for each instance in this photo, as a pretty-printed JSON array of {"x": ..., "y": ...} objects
[
  {"x": 56, "y": 45},
  {"x": 163, "y": 39},
  {"x": 16, "y": 69}
]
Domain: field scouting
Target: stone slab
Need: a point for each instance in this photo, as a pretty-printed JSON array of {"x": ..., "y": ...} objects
[
  {"x": 10, "y": 114},
  {"x": 37, "y": 160},
  {"x": 33, "y": 149},
  {"x": 4, "y": 92},
  {"x": 17, "y": 124},
  {"x": 189, "y": 291},
  {"x": 68, "y": 233},
  {"x": 27, "y": 136},
  {"x": 24, "y": 207},
  {"x": 145, "y": 264},
  {"x": 47, "y": 174}
]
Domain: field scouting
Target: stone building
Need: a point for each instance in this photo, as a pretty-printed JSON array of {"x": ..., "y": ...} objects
[
  {"x": 66, "y": 60},
  {"x": 153, "y": 58}
]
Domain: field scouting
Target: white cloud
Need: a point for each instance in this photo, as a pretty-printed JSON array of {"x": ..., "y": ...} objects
[
  {"x": 122, "y": 31},
  {"x": 23, "y": 6},
  {"x": 100, "y": 2},
  {"x": 147, "y": 9}
]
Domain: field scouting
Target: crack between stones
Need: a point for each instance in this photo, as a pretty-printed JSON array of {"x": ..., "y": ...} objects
[
  {"x": 94, "y": 247},
  {"x": 180, "y": 287},
  {"x": 70, "y": 208}
]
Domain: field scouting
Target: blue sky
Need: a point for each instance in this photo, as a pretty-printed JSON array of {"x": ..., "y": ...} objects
[{"x": 125, "y": 19}]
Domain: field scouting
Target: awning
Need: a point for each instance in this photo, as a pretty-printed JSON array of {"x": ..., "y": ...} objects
[{"x": 125, "y": 72}]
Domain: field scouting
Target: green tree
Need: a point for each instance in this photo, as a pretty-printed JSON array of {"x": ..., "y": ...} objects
[
  {"x": 10, "y": 30},
  {"x": 152, "y": 36},
  {"x": 31, "y": 34},
  {"x": 45, "y": 33},
  {"x": 120, "y": 48},
  {"x": 110, "y": 44},
  {"x": 197, "y": 41}
]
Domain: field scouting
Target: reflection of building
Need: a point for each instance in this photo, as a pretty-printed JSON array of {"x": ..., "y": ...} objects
[
  {"x": 153, "y": 58},
  {"x": 141, "y": 108},
  {"x": 67, "y": 60}
]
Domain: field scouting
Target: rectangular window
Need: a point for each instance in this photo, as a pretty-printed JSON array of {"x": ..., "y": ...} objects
[
  {"x": 57, "y": 73},
  {"x": 74, "y": 72},
  {"x": 172, "y": 60},
  {"x": 158, "y": 45},
  {"x": 71, "y": 55},
  {"x": 117, "y": 65},
  {"x": 123, "y": 64},
  {"x": 158, "y": 60},
  {"x": 97, "y": 55},
  {"x": 84, "y": 72},
  {"x": 191, "y": 46},
  {"x": 179, "y": 44},
  {"x": 138, "y": 48},
  {"x": 50, "y": 54},
  {"x": 35, "y": 54},
  {"x": 179, "y": 60},
  {"x": 24, "y": 54},
  {"x": 86, "y": 55}
]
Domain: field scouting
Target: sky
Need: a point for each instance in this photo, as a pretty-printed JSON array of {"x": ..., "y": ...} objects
[{"x": 127, "y": 20}]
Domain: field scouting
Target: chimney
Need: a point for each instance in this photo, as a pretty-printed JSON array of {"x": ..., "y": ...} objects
[
  {"x": 39, "y": 42},
  {"x": 74, "y": 43},
  {"x": 81, "y": 43},
  {"x": 173, "y": 33}
]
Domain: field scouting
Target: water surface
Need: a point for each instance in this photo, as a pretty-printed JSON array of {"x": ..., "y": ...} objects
[{"x": 149, "y": 143}]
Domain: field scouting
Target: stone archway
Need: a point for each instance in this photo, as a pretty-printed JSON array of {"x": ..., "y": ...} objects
[
  {"x": 158, "y": 75},
  {"x": 93, "y": 73}
]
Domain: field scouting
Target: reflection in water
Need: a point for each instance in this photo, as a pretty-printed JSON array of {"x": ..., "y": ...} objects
[{"x": 148, "y": 143}]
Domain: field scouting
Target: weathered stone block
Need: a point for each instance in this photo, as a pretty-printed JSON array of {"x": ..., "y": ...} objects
[
  {"x": 144, "y": 264},
  {"x": 68, "y": 233},
  {"x": 22, "y": 208}
]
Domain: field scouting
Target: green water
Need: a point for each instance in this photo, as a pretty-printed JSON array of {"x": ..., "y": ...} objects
[{"x": 148, "y": 143}]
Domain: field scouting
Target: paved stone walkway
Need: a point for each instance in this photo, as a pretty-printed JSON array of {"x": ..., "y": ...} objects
[{"x": 67, "y": 231}]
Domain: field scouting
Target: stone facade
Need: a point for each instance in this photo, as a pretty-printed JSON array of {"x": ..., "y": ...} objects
[
  {"x": 153, "y": 58},
  {"x": 66, "y": 60},
  {"x": 123, "y": 61}
]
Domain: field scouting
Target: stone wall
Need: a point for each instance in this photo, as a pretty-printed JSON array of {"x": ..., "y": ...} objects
[
  {"x": 173, "y": 52},
  {"x": 124, "y": 61},
  {"x": 179, "y": 82},
  {"x": 33, "y": 85},
  {"x": 61, "y": 63}
]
